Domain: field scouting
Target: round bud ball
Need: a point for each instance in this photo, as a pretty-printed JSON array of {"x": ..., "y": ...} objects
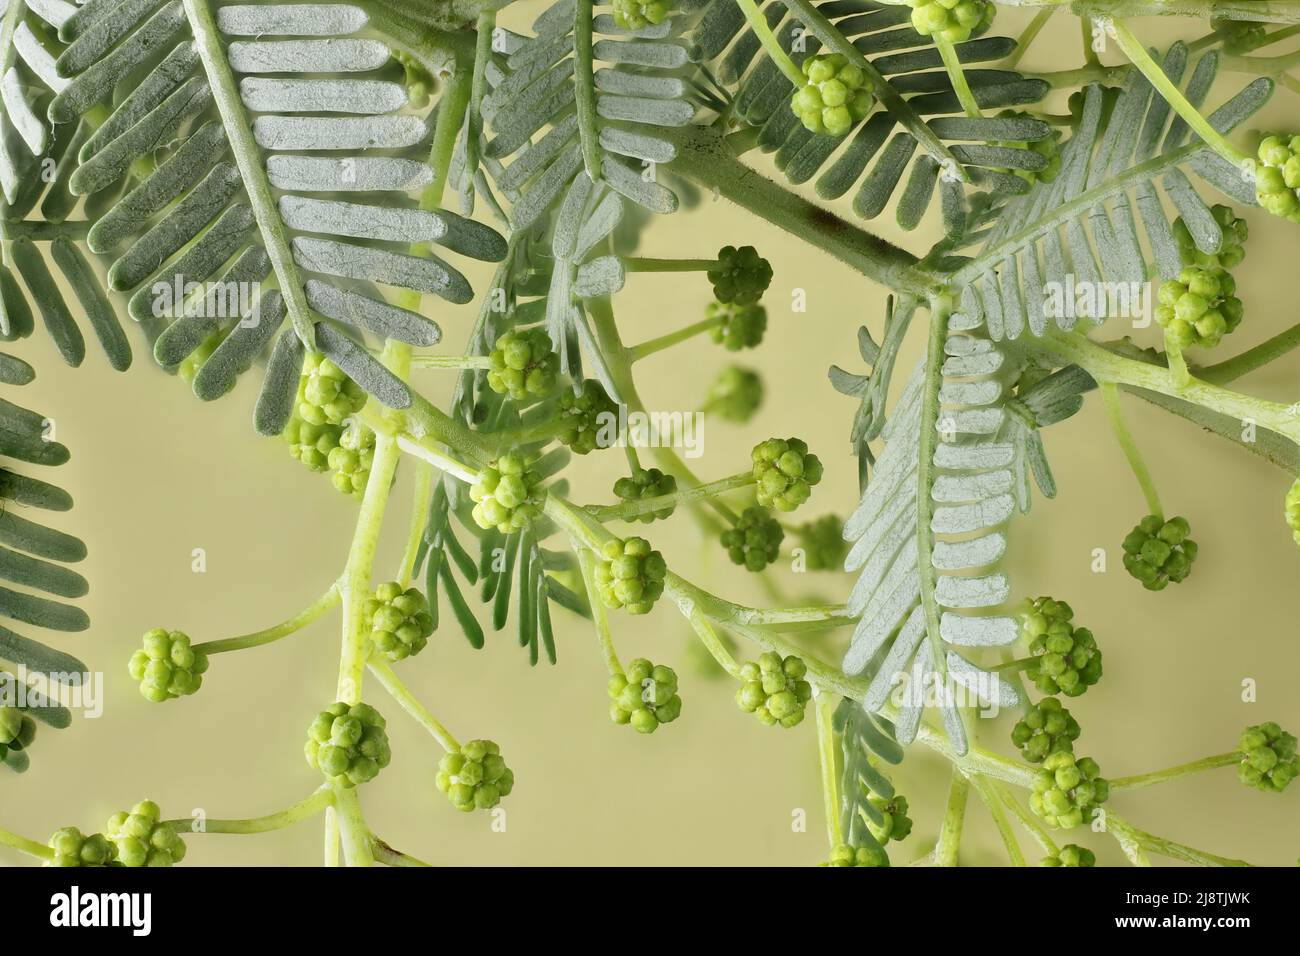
[
  {"x": 167, "y": 666},
  {"x": 475, "y": 777},
  {"x": 644, "y": 696}
]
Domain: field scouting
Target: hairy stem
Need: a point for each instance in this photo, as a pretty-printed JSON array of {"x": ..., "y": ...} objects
[
  {"x": 304, "y": 809},
  {"x": 296, "y": 623},
  {"x": 658, "y": 344},
  {"x": 990, "y": 800},
  {"x": 630, "y": 510},
  {"x": 758, "y": 23},
  {"x": 954, "y": 818},
  {"x": 824, "y": 709},
  {"x": 1168, "y": 848},
  {"x": 703, "y": 158},
  {"x": 1110, "y": 398},
  {"x": 1173, "y": 773},
  {"x": 1139, "y": 57},
  {"x": 24, "y": 845},
  {"x": 408, "y": 702}
]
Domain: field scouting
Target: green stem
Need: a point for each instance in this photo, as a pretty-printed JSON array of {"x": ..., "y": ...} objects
[
  {"x": 421, "y": 495},
  {"x": 304, "y": 809},
  {"x": 824, "y": 709},
  {"x": 584, "y": 81},
  {"x": 356, "y": 837},
  {"x": 1173, "y": 773},
  {"x": 631, "y": 510},
  {"x": 651, "y": 346},
  {"x": 1176, "y": 361},
  {"x": 356, "y": 576},
  {"x": 954, "y": 818},
  {"x": 331, "y": 837},
  {"x": 388, "y": 856},
  {"x": 990, "y": 800},
  {"x": 1167, "y": 848},
  {"x": 1139, "y": 57},
  {"x": 1272, "y": 11},
  {"x": 408, "y": 702},
  {"x": 758, "y": 23},
  {"x": 642, "y": 264},
  {"x": 427, "y": 452},
  {"x": 599, "y": 615},
  {"x": 24, "y": 845},
  {"x": 709, "y": 638},
  {"x": 1252, "y": 359},
  {"x": 1028, "y": 35},
  {"x": 1089, "y": 54},
  {"x": 952, "y": 63},
  {"x": 1027, "y": 820},
  {"x": 1110, "y": 397},
  {"x": 304, "y": 617},
  {"x": 703, "y": 158},
  {"x": 1106, "y": 366},
  {"x": 940, "y": 313},
  {"x": 451, "y": 116},
  {"x": 451, "y": 361},
  {"x": 252, "y": 172}
]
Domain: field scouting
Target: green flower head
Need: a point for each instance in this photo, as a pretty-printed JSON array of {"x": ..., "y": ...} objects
[
  {"x": 475, "y": 777},
  {"x": 644, "y": 696},
  {"x": 785, "y": 473},
  {"x": 348, "y": 743},
  {"x": 139, "y": 837},
  {"x": 507, "y": 495},
  {"x": 639, "y": 14},
  {"x": 1199, "y": 307},
  {"x": 741, "y": 277},
  {"x": 1269, "y": 760},
  {"x": 1067, "y": 790},
  {"x": 954, "y": 20},
  {"x": 835, "y": 95},
  {"x": 1045, "y": 728},
  {"x": 1277, "y": 177},
  {"x": 399, "y": 621},
  {"x": 1158, "y": 552},
  {"x": 773, "y": 689},
  {"x": 647, "y": 483},
  {"x": 587, "y": 417},
  {"x": 1066, "y": 659},
  {"x": 522, "y": 364},
  {"x": 630, "y": 574},
  {"x": 845, "y": 855},
  {"x": 1071, "y": 855},
  {"x": 738, "y": 326},
  {"x": 756, "y": 539},
  {"x": 735, "y": 394},
  {"x": 167, "y": 666},
  {"x": 73, "y": 848}
]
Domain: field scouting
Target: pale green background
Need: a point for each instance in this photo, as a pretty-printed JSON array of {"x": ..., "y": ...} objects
[{"x": 156, "y": 474}]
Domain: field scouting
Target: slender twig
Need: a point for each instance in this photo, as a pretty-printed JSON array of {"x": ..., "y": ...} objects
[
  {"x": 409, "y": 703},
  {"x": 954, "y": 817},
  {"x": 990, "y": 800},
  {"x": 1173, "y": 773},
  {"x": 296, "y": 623},
  {"x": 1129, "y": 447},
  {"x": 304, "y": 809}
]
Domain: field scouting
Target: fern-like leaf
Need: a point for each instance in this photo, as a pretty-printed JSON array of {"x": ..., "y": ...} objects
[
  {"x": 33, "y": 556},
  {"x": 603, "y": 122},
  {"x": 911, "y": 130},
  {"x": 263, "y": 176},
  {"x": 1084, "y": 226}
]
